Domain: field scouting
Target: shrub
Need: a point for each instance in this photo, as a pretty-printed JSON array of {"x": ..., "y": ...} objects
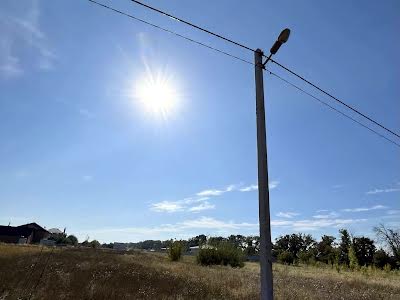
[
  {"x": 353, "y": 261},
  {"x": 286, "y": 257},
  {"x": 305, "y": 257},
  {"x": 175, "y": 251},
  {"x": 381, "y": 258},
  {"x": 223, "y": 254}
]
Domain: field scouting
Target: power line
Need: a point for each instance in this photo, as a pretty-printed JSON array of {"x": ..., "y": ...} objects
[
  {"x": 193, "y": 25},
  {"x": 280, "y": 65},
  {"x": 333, "y": 108},
  {"x": 335, "y": 98},
  {"x": 248, "y": 62},
  {"x": 171, "y": 32}
]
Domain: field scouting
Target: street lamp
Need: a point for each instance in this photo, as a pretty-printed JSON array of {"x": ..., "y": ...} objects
[{"x": 267, "y": 291}]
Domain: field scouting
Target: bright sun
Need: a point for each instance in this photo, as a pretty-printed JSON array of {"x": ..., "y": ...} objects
[{"x": 157, "y": 94}]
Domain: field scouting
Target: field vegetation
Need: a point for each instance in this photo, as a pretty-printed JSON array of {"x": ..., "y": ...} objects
[{"x": 33, "y": 272}]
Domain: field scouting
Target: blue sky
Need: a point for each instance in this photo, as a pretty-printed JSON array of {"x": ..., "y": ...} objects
[{"x": 80, "y": 150}]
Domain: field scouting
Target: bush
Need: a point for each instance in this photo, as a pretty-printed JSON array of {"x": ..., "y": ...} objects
[
  {"x": 353, "y": 261},
  {"x": 175, "y": 251},
  {"x": 223, "y": 254},
  {"x": 381, "y": 259},
  {"x": 305, "y": 257},
  {"x": 286, "y": 257}
]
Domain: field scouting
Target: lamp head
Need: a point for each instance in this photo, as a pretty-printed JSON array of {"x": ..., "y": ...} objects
[{"x": 282, "y": 38}]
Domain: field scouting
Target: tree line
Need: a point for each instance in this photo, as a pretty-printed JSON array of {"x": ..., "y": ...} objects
[{"x": 347, "y": 250}]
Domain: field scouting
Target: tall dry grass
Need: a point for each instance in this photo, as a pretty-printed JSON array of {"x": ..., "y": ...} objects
[{"x": 106, "y": 274}]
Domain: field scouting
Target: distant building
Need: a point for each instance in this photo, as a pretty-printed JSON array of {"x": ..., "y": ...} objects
[
  {"x": 25, "y": 234},
  {"x": 193, "y": 250}
]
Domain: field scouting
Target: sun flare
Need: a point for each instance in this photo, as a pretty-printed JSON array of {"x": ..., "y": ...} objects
[{"x": 157, "y": 94}]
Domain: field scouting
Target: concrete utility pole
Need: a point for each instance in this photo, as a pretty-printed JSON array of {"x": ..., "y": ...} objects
[{"x": 267, "y": 290}]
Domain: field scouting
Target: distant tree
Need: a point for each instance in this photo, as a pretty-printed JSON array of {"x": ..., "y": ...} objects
[
  {"x": 197, "y": 240},
  {"x": 293, "y": 243},
  {"x": 391, "y": 237},
  {"x": 252, "y": 245},
  {"x": 239, "y": 241},
  {"x": 72, "y": 240},
  {"x": 286, "y": 257},
  {"x": 175, "y": 250},
  {"x": 364, "y": 249},
  {"x": 109, "y": 245},
  {"x": 353, "y": 261},
  {"x": 215, "y": 240},
  {"x": 325, "y": 251},
  {"x": 344, "y": 246},
  {"x": 94, "y": 244},
  {"x": 381, "y": 258}
]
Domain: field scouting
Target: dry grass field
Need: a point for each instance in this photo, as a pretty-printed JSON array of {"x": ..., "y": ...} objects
[{"x": 106, "y": 274}]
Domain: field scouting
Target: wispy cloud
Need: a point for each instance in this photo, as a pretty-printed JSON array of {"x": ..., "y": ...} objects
[
  {"x": 216, "y": 192},
  {"x": 393, "y": 211},
  {"x": 203, "y": 206},
  {"x": 21, "y": 30},
  {"x": 326, "y": 215},
  {"x": 314, "y": 224},
  {"x": 272, "y": 184},
  {"x": 378, "y": 191},
  {"x": 287, "y": 214},
  {"x": 167, "y": 206},
  {"x": 361, "y": 209},
  {"x": 191, "y": 203},
  {"x": 249, "y": 188}
]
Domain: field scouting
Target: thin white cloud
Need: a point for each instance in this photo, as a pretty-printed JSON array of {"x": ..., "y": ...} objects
[
  {"x": 254, "y": 187},
  {"x": 362, "y": 209},
  {"x": 393, "y": 211},
  {"x": 314, "y": 224},
  {"x": 273, "y": 184},
  {"x": 166, "y": 206},
  {"x": 203, "y": 206},
  {"x": 287, "y": 214},
  {"x": 249, "y": 188},
  {"x": 211, "y": 223},
  {"x": 378, "y": 191},
  {"x": 190, "y": 204},
  {"x": 216, "y": 192},
  {"x": 21, "y": 30},
  {"x": 326, "y": 215}
]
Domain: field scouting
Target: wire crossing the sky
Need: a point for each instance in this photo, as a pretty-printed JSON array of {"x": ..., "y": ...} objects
[
  {"x": 331, "y": 107},
  {"x": 335, "y": 98},
  {"x": 248, "y": 62},
  {"x": 171, "y": 32},
  {"x": 274, "y": 61},
  {"x": 193, "y": 25}
]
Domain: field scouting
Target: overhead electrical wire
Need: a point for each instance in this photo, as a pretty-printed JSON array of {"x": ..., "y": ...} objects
[
  {"x": 193, "y": 25},
  {"x": 335, "y": 98},
  {"x": 248, "y": 62},
  {"x": 274, "y": 61},
  {"x": 171, "y": 32},
  {"x": 331, "y": 107}
]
